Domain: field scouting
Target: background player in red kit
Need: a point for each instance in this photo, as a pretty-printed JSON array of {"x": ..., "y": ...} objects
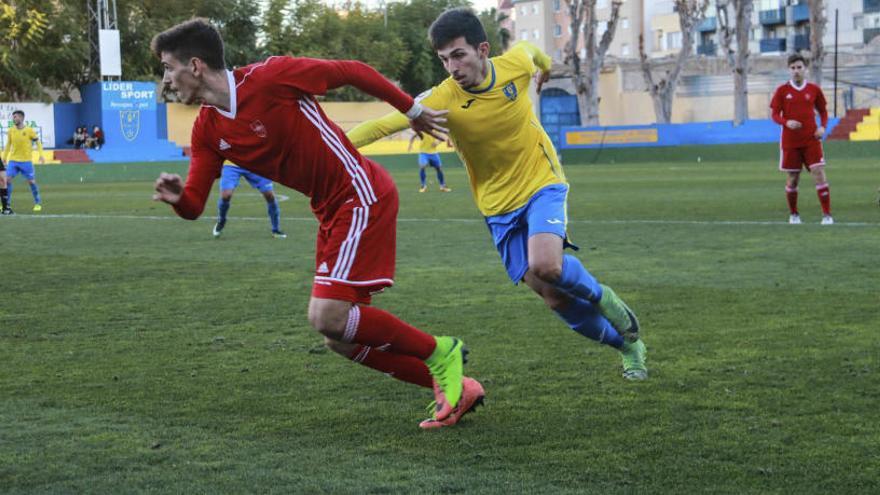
[
  {"x": 794, "y": 107},
  {"x": 264, "y": 118}
]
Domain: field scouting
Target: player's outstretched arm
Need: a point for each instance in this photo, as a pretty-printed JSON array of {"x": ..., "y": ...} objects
[{"x": 373, "y": 130}]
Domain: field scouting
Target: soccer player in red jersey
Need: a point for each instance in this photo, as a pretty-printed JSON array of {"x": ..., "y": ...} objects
[
  {"x": 265, "y": 118},
  {"x": 794, "y": 107}
]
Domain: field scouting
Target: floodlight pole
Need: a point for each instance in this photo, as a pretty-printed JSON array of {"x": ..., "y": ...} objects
[{"x": 101, "y": 15}]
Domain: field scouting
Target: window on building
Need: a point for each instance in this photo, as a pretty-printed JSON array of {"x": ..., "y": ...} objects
[
  {"x": 601, "y": 27},
  {"x": 624, "y": 50},
  {"x": 559, "y": 54},
  {"x": 534, "y": 8},
  {"x": 601, "y": 4},
  {"x": 659, "y": 41},
  {"x": 673, "y": 40},
  {"x": 522, "y": 10},
  {"x": 536, "y": 35},
  {"x": 556, "y": 5},
  {"x": 624, "y": 23},
  {"x": 569, "y": 29},
  {"x": 583, "y": 53},
  {"x": 858, "y": 22},
  {"x": 557, "y": 30},
  {"x": 524, "y": 35}
]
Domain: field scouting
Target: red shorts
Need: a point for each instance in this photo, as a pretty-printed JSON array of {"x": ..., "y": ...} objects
[
  {"x": 793, "y": 159},
  {"x": 355, "y": 252}
]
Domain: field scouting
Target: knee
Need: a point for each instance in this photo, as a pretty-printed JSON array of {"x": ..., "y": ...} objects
[
  {"x": 547, "y": 271},
  {"x": 327, "y": 322}
]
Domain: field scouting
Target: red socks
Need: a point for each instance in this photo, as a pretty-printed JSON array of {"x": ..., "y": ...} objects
[
  {"x": 373, "y": 327},
  {"x": 824, "y": 197},
  {"x": 791, "y": 194},
  {"x": 405, "y": 368}
]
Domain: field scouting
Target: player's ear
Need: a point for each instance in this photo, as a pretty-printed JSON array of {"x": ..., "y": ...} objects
[{"x": 483, "y": 49}]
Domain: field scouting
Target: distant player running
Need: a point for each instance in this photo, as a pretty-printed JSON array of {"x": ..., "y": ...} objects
[
  {"x": 4, "y": 193},
  {"x": 265, "y": 118},
  {"x": 794, "y": 107},
  {"x": 19, "y": 145},
  {"x": 229, "y": 180},
  {"x": 429, "y": 156},
  {"x": 516, "y": 179}
]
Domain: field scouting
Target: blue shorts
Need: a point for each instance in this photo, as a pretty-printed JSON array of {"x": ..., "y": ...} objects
[
  {"x": 432, "y": 159},
  {"x": 545, "y": 213},
  {"x": 233, "y": 173},
  {"x": 24, "y": 168}
]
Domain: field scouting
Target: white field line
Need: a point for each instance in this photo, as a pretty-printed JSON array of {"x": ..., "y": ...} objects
[{"x": 77, "y": 216}]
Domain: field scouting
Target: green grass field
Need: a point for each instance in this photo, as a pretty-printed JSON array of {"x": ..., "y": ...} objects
[{"x": 138, "y": 354}]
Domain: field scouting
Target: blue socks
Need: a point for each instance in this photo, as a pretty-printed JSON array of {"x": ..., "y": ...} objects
[
  {"x": 585, "y": 319},
  {"x": 422, "y": 176},
  {"x": 274, "y": 214},
  {"x": 36, "y": 192},
  {"x": 440, "y": 178},
  {"x": 222, "y": 210},
  {"x": 577, "y": 281}
]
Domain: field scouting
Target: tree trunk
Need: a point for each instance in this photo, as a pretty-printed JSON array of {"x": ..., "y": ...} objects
[
  {"x": 817, "y": 32},
  {"x": 741, "y": 68},
  {"x": 585, "y": 72}
]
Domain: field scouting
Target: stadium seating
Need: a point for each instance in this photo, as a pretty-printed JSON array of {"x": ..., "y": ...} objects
[
  {"x": 869, "y": 128},
  {"x": 848, "y": 124}
]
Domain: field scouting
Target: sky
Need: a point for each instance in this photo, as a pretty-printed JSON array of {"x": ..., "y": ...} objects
[{"x": 479, "y": 5}]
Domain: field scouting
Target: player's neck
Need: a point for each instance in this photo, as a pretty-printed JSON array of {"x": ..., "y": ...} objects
[
  {"x": 484, "y": 72},
  {"x": 19, "y": 126},
  {"x": 799, "y": 85},
  {"x": 215, "y": 91}
]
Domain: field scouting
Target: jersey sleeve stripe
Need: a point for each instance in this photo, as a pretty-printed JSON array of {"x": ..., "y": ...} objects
[{"x": 359, "y": 178}]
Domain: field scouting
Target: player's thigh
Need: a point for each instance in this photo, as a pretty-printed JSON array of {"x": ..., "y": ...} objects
[
  {"x": 434, "y": 161},
  {"x": 791, "y": 159},
  {"x": 27, "y": 171},
  {"x": 510, "y": 233},
  {"x": 259, "y": 183}
]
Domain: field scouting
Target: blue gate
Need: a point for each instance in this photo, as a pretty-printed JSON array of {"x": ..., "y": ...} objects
[{"x": 558, "y": 109}]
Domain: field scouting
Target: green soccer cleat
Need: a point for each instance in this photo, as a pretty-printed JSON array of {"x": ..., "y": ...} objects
[
  {"x": 38, "y": 207},
  {"x": 446, "y": 365},
  {"x": 633, "y": 355},
  {"x": 619, "y": 315}
]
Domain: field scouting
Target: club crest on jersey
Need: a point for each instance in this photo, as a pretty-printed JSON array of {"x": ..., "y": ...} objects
[
  {"x": 510, "y": 91},
  {"x": 130, "y": 122},
  {"x": 258, "y": 128}
]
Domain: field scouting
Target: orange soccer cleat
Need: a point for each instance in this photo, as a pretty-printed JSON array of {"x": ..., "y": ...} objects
[{"x": 472, "y": 395}]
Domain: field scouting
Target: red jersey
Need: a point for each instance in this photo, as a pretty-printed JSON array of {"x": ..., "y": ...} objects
[
  {"x": 275, "y": 128},
  {"x": 800, "y": 104}
]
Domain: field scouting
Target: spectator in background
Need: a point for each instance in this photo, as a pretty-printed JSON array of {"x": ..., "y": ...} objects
[
  {"x": 96, "y": 140},
  {"x": 79, "y": 137}
]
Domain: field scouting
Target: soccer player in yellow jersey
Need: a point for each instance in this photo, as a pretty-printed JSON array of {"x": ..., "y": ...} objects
[
  {"x": 19, "y": 145},
  {"x": 516, "y": 178},
  {"x": 428, "y": 155}
]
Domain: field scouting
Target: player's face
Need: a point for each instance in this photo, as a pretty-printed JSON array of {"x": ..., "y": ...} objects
[
  {"x": 181, "y": 78},
  {"x": 466, "y": 64},
  {"x": 797, "y": 70},
  {"x": 17, "y": 119}
]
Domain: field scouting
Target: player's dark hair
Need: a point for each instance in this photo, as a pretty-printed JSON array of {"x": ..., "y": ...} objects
[
  {"x": 797, "y": 57},
  {"x": 18, "y": 112},
  {"x": 195, "y": 38},
  {"x": 455, "y": 23}
]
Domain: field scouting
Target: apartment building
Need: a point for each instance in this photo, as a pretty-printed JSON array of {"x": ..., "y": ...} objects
[{"x": 777, "y": 26}]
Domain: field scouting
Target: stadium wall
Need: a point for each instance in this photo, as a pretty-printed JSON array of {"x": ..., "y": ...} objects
[{"x": 701, "y": 133}]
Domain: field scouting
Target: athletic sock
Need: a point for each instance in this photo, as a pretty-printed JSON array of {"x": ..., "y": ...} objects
[
  {"x": 440, "y": 178},
  {"x": 577, "y": 281},
  {"x": 222, "y": 209},
  {"x": 404, "y": 368},
  {"x": 4, "y": 198},
  {"x": 423, "y": 176},
  {"x": 274, "y": 214},
  {"x": 8, "y": 191},
  {"x": 376, "y": 328},
  {"x": 35, "y": 190},
  {"x": 791, "y": 195},
  {"x": 824, "y": 194},
  {"x": 585, "y": 319}
]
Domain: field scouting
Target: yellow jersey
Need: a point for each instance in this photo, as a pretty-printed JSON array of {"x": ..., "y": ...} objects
[
  {"x": 507, "y": 153},
  {"x": 428, "y": 144},
  {"x": 18, "y": 144}
]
